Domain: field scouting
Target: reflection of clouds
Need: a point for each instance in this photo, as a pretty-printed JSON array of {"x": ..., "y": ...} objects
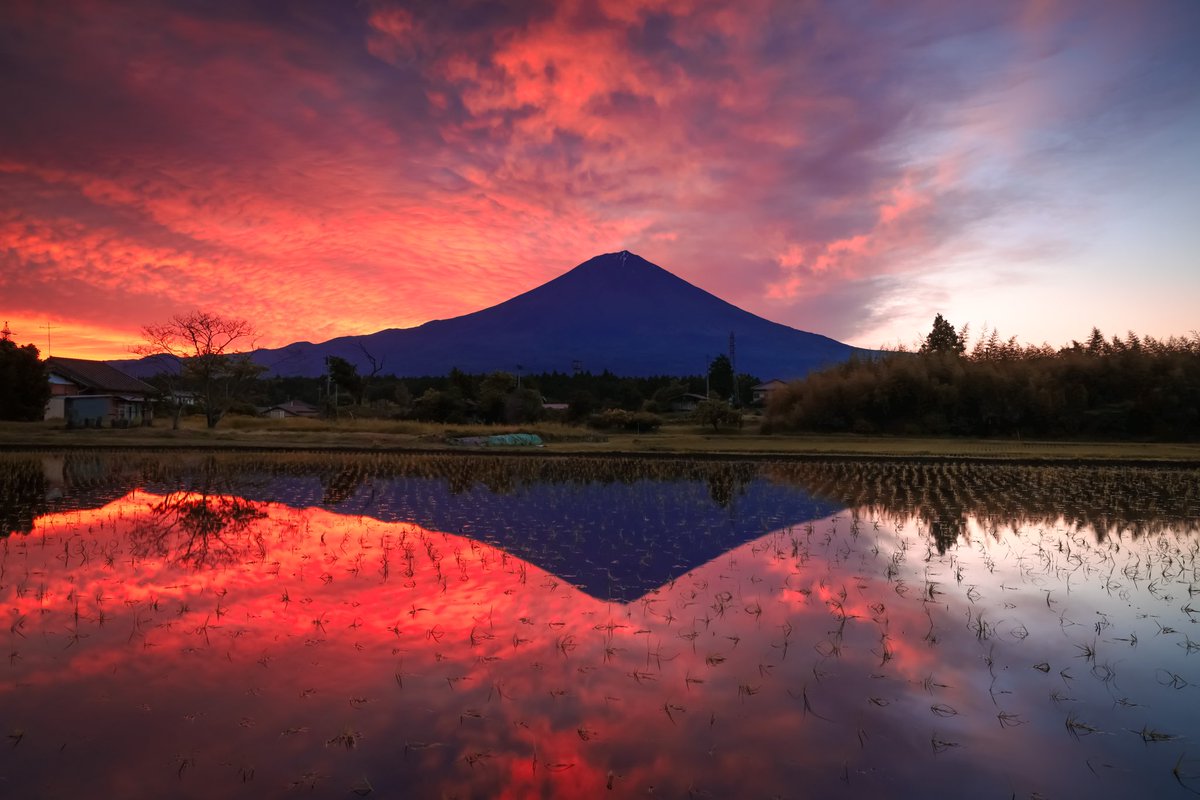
[{"x": 468, "y": 671}]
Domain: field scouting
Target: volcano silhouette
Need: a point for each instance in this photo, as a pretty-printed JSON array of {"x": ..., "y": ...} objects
[{"x": 615, "y": 312}]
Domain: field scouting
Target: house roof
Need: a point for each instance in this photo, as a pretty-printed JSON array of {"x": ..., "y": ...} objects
[
  {"x": 97, "y": 376},
  {"x": 771, "y": 384},
  {"x": 297, "y": 407}
]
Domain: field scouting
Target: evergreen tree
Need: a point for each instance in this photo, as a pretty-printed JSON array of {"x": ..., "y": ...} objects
[
  {"x": 720, "y": 377},
  {"x": 943, "y": 338},
  {"x": 346, "y": 376},
  {"x": 24, "y": 389}
]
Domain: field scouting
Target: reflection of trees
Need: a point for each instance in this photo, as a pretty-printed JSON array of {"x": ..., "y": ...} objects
[
  {"x": 199, "y": 530},
  {"x": 941, "y": 494},
  {"x": 499, "y": 473},
  {"x": 31, "y": 486},
  {"x": 1108, "y": 499},
  {"x": 22, "y": 494},
  {"x": 340, "y": 485},
  {"x": 727, "y": 481}
]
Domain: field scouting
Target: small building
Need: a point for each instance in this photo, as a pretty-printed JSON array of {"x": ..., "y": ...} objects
[
  {"x": 292, "y": 408},
  {"x": 763, "y": 391},
  {"x": 687, "y": 402},
  {"x": 182, "y": 398},
  {"x": 95, "y": 394}
]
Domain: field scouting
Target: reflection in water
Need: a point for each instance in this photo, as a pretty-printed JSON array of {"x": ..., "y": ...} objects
[
  {"x": 616, "y": 529},
  {"x": 1106, "y": 500},
  {"x": 198, "y": 530},
  {"x": 188, "y": 640}
]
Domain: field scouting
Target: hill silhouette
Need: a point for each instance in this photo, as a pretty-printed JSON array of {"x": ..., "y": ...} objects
[{"x": 615, "y": 312}]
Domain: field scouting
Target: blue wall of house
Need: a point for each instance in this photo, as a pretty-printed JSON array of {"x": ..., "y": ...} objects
[{"x": 83, "y": 411}]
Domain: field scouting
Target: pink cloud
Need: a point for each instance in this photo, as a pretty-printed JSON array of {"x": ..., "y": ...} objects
[{"x": 248, "y": 159}]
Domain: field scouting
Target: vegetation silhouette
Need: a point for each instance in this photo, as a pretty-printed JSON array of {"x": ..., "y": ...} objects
[
  {"x": 24, "y": 389},
  {"x": 202, "y": 353},
  {"x": 1136, "y": 387}
]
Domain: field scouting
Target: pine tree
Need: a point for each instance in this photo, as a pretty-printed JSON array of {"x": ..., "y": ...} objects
[{"x": 943, "y": 338}]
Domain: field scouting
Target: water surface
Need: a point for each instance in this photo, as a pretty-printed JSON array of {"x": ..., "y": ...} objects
[{"x": 197, "y": 625}]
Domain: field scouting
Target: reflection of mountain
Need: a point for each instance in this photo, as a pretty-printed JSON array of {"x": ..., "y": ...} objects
[
  {"x": 614, "y": 540},
  {"x": 615, "y": 529},
  {"x": 583, "y": 519}
]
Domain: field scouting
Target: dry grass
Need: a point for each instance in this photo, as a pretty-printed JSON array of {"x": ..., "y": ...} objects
[{"x": 681, "y": 439}]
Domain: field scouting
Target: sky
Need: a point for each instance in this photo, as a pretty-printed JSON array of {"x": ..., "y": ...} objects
[{"x": 849, "y": 168}]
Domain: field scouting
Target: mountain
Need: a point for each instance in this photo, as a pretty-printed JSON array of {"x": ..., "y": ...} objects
[{"x": 616, "y": 312}]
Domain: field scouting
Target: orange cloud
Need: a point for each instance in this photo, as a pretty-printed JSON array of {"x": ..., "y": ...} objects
[{"x": 434, "y": 160}]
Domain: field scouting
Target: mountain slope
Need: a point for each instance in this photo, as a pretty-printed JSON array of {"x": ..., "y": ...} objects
[{"x": 616, "y": 312}]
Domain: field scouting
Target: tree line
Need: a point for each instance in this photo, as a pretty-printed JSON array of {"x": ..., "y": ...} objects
[
  {"x": 1135, "y": 387},
  {"x": 501, "y": 397},
  {"x": 204, "y": 366}
]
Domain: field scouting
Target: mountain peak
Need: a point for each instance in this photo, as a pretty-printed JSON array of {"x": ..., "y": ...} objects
[
  {"x": 623, "y": 270},
  {"x": 614, "y": 261},
  {"x": 615, "y": 311}
]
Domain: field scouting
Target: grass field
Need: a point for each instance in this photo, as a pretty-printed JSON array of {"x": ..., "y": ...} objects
[{"x": 677, "y": 439}]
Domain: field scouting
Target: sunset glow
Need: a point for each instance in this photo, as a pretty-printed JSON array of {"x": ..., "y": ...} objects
[{"x": 332, "y": 169}]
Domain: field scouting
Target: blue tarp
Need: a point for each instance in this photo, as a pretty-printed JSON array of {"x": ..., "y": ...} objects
[{"x": 500, "y": 440}]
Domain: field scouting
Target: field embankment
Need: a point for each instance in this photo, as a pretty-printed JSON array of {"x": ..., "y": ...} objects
[{"x": 674, "y": 439}]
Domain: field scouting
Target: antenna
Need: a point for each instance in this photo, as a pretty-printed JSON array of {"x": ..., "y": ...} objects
[
  {"x": 47, "y": 326},
  {"x": 6, "y": 333}
]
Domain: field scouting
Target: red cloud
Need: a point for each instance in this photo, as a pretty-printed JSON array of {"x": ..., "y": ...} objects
[{"x": 438, "y": 160}]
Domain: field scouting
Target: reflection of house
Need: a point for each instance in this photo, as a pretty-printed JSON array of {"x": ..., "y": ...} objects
[
  {"x": 687, "y": 402},
  {"x": 93, "y": 394},
  {"x": 763, "y": 391},
  {"x": 292, "y": 408}
]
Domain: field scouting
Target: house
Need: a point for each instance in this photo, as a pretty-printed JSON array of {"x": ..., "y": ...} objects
[
  {"x": 763, "y": 391},
  {"x": 292, "y": 408},
  {"x": 94, "y": 394},
  {"x": 183, "y": 398},
  {"x": 687, "y": 402}
]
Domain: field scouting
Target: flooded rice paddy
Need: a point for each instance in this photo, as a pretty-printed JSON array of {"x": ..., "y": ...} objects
[{"x": 186, "y": 625}]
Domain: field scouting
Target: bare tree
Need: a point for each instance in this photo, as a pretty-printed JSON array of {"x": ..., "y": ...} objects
[
  {"x": 376, "y": 368},
  {"x": 203, "y": 349}
]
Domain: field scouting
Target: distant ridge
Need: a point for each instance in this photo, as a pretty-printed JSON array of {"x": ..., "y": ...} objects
[{"x": 615, "y": 312}]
